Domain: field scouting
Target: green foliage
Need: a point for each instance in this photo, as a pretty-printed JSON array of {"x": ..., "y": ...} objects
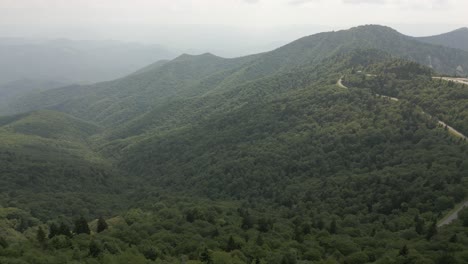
[
  {"x": 261, "y": 159},
  {"x": 101, "y": 225},
  {"x": 463, "y": 214},
  {"x": 81, "y": 226},
  {"x": 41, "y": 236}
]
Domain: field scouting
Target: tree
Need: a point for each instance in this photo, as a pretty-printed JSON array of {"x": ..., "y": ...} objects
[
  {"x": 404, "y": 251},
  {"x": 3, "y": 242},
  {"x": 259, "y": 240},
  {"x": 94, "y": 249},
  {"x": 81, "y": 226},
  {"x": 419, "y": 225},
  {"x": 333, "y": 227},
  {"x": 432, "y": 231},
  {"x": 453, "y": 238},
  {"x": 247, "y": 221},
  {"x": 205, "y": 257},
  {"x": 231, "y": 244},
  {"x": 101, "y": 225},
  {"x": 64, "y": 230},
  {"x": 53, "y": 230},
  {"x": 264, "y": 225},
  {"x": 446, "y": 258},
  {"x": 463, "y": 215},
  {"x": 41, "y": 236}
]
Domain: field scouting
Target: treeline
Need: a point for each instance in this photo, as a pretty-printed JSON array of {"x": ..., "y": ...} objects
[{"x": 230, "y": 232}]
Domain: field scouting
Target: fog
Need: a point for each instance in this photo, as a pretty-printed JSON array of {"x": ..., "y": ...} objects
[
  {"x": 86, "y": 41},
  {"x": 227, "y": 28}
]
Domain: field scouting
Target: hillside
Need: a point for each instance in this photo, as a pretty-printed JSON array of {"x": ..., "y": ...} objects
[
  {"x": 126, "y": 98},
  {"x": 457, "y": 39},
  {"x": 49, "y": 155},
  {"x": 259, "y": 159}
]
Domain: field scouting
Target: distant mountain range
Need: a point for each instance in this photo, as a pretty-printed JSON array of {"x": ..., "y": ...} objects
[{"x": 73, "y": 61}]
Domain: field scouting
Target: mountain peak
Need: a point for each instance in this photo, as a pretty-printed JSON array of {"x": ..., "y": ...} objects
[
  {"x": 206, "y": 55},
  {"x": 374, "y": 28}
]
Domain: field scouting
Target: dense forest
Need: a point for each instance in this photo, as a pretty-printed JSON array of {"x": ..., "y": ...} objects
[{"x": 260, "y": 159}]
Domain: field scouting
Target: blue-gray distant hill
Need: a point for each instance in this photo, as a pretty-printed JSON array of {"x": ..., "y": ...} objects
[
  {"x": 74, "y": 61},
  {"x": 457, "y": 39}
]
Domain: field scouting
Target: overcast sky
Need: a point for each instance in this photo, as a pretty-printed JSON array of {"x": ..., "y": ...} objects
[{"x": 184, "y": 23}]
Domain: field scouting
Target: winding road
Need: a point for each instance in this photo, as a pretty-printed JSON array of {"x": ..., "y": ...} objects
[
  {"x": 453, "y": 215},
  {"x": 340, "y": 83},
  {"x": 457, "y": 80},
  {"x": 450, "y": 129}
]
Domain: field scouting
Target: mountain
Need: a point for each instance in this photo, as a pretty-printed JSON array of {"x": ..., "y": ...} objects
[
  {"x": 47, "y": 153},
  {"x": 74, "y": 61},
  {"x": 9, "y": 92},
  {"x": 126, "y": 98},
  {"x": 297, "y": 155},
  {"x": 153, "y": 88},
  {"x": 457, "y": 39}
]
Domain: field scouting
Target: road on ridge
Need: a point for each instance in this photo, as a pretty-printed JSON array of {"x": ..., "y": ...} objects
[
  {"x": 457, "y": 80},
  {"x": 454, "y": 215}
]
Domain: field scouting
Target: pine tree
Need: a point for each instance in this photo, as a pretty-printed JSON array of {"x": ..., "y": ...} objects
[
  {"x": 64, "y": 230},
  {"x": 41, "y": 236},
  {"x": 259, "y": 240},
  {"x": 94, "y": 249},
  {"x": 432, "y": 231},
  {"x": 419, "y": 225},
  {"x": 3, "y": 242},
  {"x": 247, "y": 221},
  {"x": 333, "y": 227},
  {"x": 53, "y": 230},
  {"x": 205, "y": 257},
  {"x": 81, "y": 226},
  {"x": 454, "y": 238},
  {"x": 231, "y": 244},
  {"x": 404, "y": 251},
  {"x": 101, "y": 225}
]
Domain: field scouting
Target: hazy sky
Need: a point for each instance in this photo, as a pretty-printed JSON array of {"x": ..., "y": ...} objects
[{"x": 182, "y": 23}]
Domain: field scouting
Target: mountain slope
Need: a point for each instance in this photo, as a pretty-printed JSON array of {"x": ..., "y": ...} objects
[
  {"x": 114, "y": 102},
  {"x": 46, "y": 155},
  {"x": 263, "y": 159},
  {"x": 170, "y": 80},
  {"x": 457, "y": 39},
  {"x": 312, "y": 49}
]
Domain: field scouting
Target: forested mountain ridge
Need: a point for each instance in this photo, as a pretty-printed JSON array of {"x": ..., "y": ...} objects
[
  {"x": 457, "y": 39},
  {"x": 48, "y": 155},
  {"x": 261, "y": 159},
  {"x": 306, "y": 51},
  {"x": 126, "y": 98}
]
